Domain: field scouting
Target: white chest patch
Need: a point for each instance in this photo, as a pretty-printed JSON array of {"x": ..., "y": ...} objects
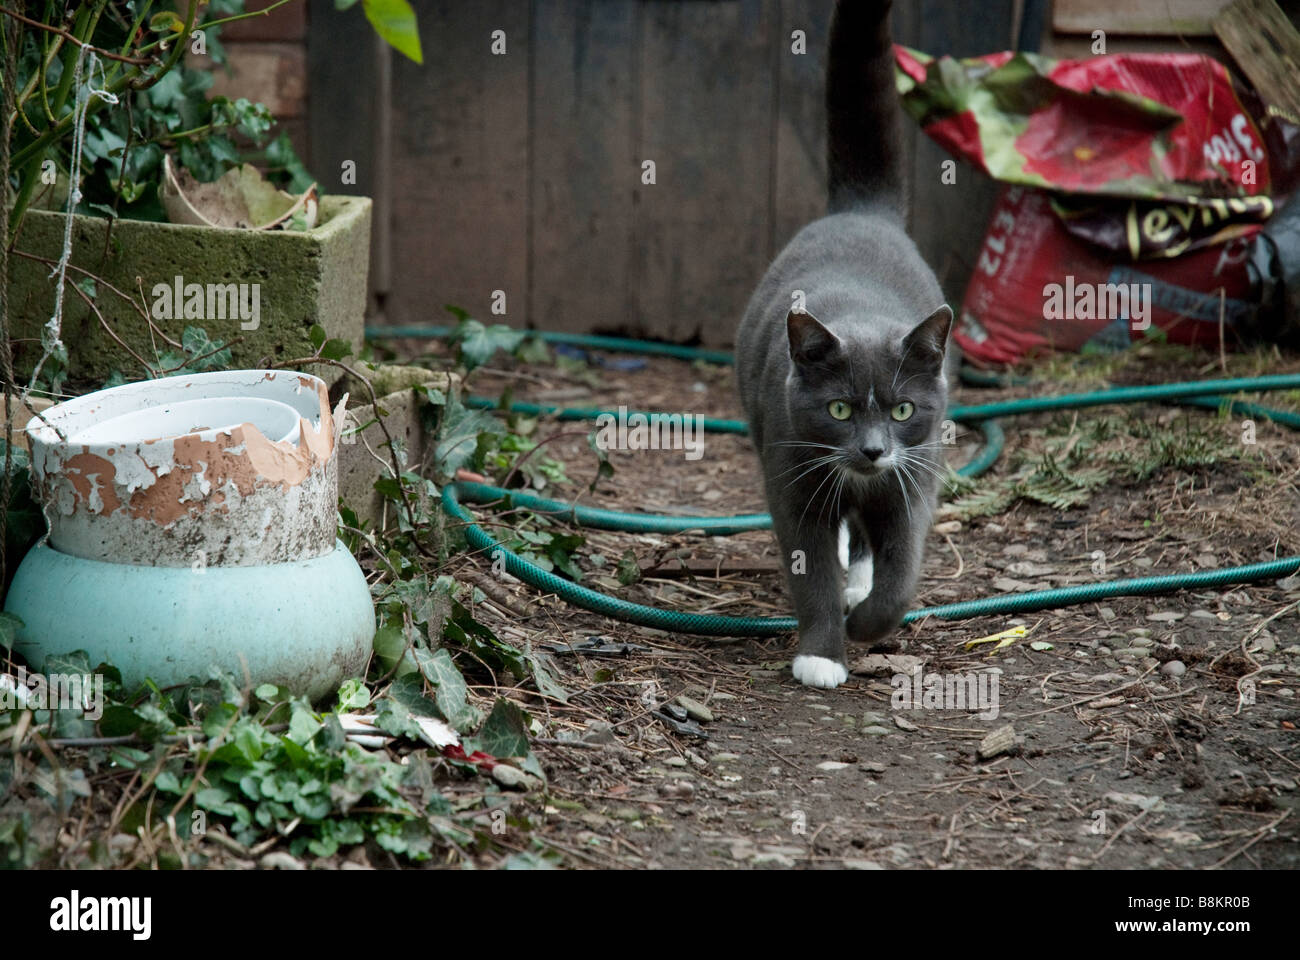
[{"x": 859, "y": 576}]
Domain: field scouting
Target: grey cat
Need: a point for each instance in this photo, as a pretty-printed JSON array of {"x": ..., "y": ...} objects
[{"x": 846, "y": 397}]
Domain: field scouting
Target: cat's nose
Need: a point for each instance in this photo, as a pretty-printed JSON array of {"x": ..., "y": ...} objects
[{"x": 872, "y": 453}]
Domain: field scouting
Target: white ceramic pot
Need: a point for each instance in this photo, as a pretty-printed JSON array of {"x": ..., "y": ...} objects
[{"x": 228, "y": 469}]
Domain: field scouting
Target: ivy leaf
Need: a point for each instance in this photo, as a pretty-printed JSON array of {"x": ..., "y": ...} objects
[
  {"x": 119, "y": 720},
  {"x": 202, "y": 352},
  {"x": 450, "y": 692},
  {"x": 604, "y": 469},
  {"x": 560, "y": 547},
  {"x": 463, "y": 630},
  {"x": 394, "y": 20},
  {"x": 282, "y": 161},
  {"x": 130, "y": 758},
  {"x": 504, "y": 733},
  {"x": 477, "y": 343},
  {"x": 253, "y": 120},
  {"x": 526, "y": 860},
  {"x": 546, "y": 683},
  {"x": 629, "y": 571},
  {"x": 533, "y": 350},
  {"x": 389, "y": 644},
  {"x": 166, "y": 22},
  {"x": 169, "y": 92},
  {"x": 168, "y": 782},
  {"x": 396, "y": 712},
  {"x": 303, "y": 724},
  {"x": 76, "y": 662},
  {"x": 335, "y": 349},
  {"x": 353, "y": 695},
  {"x": 460, "y": 430}
]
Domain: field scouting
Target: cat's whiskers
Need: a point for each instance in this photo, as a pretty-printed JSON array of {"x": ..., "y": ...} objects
[
  {"x": 844, "y": 479},
  {"x": 802, "y": 443},
  {"x": 915, "y": 461},
  {"x": 809, "y": 468},
  {"x": 833, "y": 497},
  {"x": 911, "y": 478},
  {"x": 898, "y": 475},
  {"x": 829, "y": 473},
  {"x": 920, "y": 494},
  {"x": 803, "y": 463}
]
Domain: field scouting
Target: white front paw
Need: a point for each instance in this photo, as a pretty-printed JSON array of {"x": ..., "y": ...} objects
[{"x": 819, "y": 671}]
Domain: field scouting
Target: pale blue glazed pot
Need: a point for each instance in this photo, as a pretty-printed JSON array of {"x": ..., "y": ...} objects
[{"x": 304, "y": 624}]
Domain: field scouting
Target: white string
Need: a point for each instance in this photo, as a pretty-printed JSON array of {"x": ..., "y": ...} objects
[{"x": 51, "y": 334}]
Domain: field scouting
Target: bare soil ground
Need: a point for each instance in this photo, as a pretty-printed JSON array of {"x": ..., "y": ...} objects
[
  {"x": 1116, "y": 757},
  {"x": 1117, "y": 761}
]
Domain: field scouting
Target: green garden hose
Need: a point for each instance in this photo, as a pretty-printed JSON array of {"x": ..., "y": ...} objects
[
  {"x": 713, "y": 625},
  {"x": 1207, "y": 393}
]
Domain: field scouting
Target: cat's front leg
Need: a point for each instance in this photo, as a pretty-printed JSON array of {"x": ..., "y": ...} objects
[
  {"x": 816, "y": 585},
  {"x": 898, "y": 542}
]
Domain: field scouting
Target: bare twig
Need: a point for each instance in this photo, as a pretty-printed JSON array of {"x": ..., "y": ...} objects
[{"x": 1259, "y": 835}]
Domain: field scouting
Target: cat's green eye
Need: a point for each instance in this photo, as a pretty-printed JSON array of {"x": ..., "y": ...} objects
[
  {"x": 840, "y": 410},
  {"x": 902, "y": 411}
]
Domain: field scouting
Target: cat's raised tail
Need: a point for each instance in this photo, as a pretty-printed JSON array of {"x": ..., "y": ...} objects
[{"x": 863, "y": 119}]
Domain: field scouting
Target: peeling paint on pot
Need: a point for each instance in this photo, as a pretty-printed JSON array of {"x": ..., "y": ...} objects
[{"x": 237, "y": 468}]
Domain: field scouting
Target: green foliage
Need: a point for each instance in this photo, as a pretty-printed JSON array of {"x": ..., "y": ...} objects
[
  {"x": 1061, "y": 488},
  {"x": 199, "y": 353},
  {"x": 335, "y": 349},
  {"x": 629, "y": 571},
  {"x": 465, "y": 437},
  {"x": 123, "y": 148},
  {"x": 535, "y": 539},
  {"x": 1064, "y": 464},
  {"x": 533, "y": 349},
  {"x": 157, "y": 107},
  {"x": 268, "y": 766},
  {"x": 985, "y": 502},
  {"x": 504, "y": 733},
  {"x": 477, "y": 343},
  {"x": 394, "y": 20},
  {"x": 513, "y": 454},
  {"x": 1186, "y": 446}
]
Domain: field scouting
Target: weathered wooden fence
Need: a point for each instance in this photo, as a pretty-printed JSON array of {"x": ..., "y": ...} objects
[{"x": 525, "y": 170}]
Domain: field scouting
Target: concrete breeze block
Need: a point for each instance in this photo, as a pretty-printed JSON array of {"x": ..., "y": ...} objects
[{"x": 305, "y": 278}]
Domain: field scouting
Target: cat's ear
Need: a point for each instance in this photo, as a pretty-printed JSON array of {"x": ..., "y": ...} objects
[
  {"x": 810, "y": 342},
  {"x": 928, "y": 340}
]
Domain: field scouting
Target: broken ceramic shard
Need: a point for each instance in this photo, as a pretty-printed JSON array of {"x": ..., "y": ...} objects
[{"x": 241, "y": 199}]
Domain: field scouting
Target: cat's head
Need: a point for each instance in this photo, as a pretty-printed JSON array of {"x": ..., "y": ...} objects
[{"x": 871, "y": 398}]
